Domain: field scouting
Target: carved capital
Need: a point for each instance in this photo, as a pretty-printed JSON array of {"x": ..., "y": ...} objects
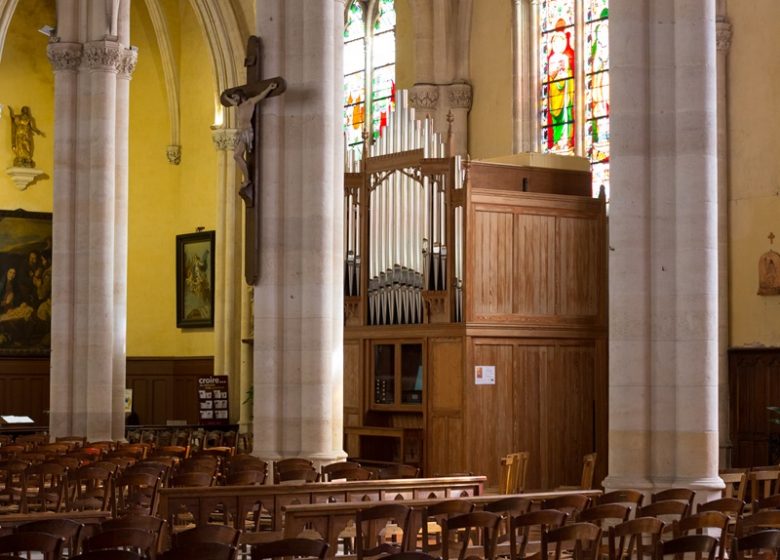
[
  {"x": 723, "y": 35},
  {"x": 459, "y": 96},
  {"x": 64, "y": 57},
  {"x": 103, "y": 55},
  {"x": 225, "y": 138},
  {"x": 424, "y": 97},
  {"x": 127, "y": 63},
  {"x": 173, "y": 152}
]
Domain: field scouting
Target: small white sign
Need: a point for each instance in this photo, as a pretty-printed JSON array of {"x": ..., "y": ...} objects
[{"x": 484, "y": 375}]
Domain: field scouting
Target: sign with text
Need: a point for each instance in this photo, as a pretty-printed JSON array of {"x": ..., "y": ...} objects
[
  {"x": 484, "y": 375},
  {"x": 213, "y": 399}
]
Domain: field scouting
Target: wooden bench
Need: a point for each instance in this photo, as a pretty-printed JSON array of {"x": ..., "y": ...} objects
[
  {"x": 238, "y": 501},
  {"x": 87, "y": 517},
  {"x": 331, "y": 519}
]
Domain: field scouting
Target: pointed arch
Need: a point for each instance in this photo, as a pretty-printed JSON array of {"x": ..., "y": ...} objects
[{"x": 7, "y": 9}]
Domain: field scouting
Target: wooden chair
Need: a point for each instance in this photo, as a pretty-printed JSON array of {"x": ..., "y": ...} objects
[
  {"x": 733, "y": 508},
  {"x": 399, "y": 471},
  {"x": 433, "y": 517},
  {"x": 763, "y": 483},
  {"x": 90, "y": 489},
  {"x": 299, "y": 475},
  {"x": 588, "y": 470},
  {"x": 765, "y": 519},
  {"x": 50, "y": 546},
  {"x": 12, "y": 484},
  {"x": 136, "y": 493},
  {"x": 192, "y": 480},
  {"x": 338, "y": 468},
  {"x": 108, "y": 555},
  {"x": 508, "y": 475},
  {"x": 605, "y": 516},
  {"x": 684, "y": 495},
  {"x": 295, "y": 464},
  {"x": 635, "y": 539},
  {"x": 371, "y": 526},
  {"x": 200, "y": 551},
  {"x": 707, "y": 521},
  {"x": 309, "y": 548},
  {"x": 770, "y": 502},
  {"x": 507, "y": 508},
  {"x": 667, "y": 511},
  {"x": 45, "y": 487},
  {"x": 148, "y": 523},
  {"x": 736, "y": 483},
  {"x": 136, "y": 540},
  {"x": 222, "y": 534},
  {"x": 475, "y": 527},
  {"x": 632, "y": 498},
  {"x": 762, "y": 544},
  {"x": 585, "y": 538},
  {"x": 526, "y": 528},
  {"x": 66, "y": 529},
  {"x": 703, "y": 546},
  {"x": 245, "y": 478},
  {"x": 572, "y": 504},
  {"x": 179, "y": 451}
]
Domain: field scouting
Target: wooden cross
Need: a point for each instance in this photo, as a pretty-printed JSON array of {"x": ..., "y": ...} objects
[
  {"x": 771, "y": 238},
  {"x": 247, "y": 150}
]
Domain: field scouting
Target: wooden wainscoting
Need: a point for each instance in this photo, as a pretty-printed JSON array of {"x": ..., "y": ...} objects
[
  {"x": 163, "y": 388},
  {"x": 754, "y": 384}
]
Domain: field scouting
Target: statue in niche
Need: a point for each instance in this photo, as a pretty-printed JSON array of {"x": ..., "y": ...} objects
[
  {"x": 22, "y": 130},
  {"x": 769, "y": 272}
]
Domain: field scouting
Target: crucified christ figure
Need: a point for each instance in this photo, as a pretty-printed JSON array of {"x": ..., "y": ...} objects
[{"x": 245, "y": 109}]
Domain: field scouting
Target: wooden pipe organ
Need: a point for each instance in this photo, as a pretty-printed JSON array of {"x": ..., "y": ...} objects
[{"x": 403, "y": 236}]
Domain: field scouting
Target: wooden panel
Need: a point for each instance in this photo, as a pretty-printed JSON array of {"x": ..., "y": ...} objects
[
  {"x": 24, "y": 388},
  {"x": 352, "y": 392},
  {"x": 492, "y": 277},
  {"x": 488, "y": 409},
  {"x": 579, "y": 258},
  {"x": 534, "y": 265},
  {"x": 445, "y": 452},
  {"x": 445, "y": 374},
  {"x": 530, "y": 366},
  {"x": 568, "y": 418},
  {"x": 533, "y": 179},
  {"x": 754, "y": 383}
]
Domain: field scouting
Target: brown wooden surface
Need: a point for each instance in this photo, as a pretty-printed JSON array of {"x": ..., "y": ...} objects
[
  {"x": 24, "y": 388},
  {"x": 537, "y": 180},
  {"x": 754, "y": 384}
]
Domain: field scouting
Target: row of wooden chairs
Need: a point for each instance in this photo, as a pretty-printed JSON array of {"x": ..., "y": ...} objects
[{"x": 514, "y": 471}]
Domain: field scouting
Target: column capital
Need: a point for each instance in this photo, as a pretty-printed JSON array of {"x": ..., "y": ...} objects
[
  {"x": 459, "y": 95},
  {"x": 424, "y": 96},
  {"x": 64, "y": 56},
  {"x": 225, "y": 138},
  {"x": 723, "y": 35},
  {"x": 104, "y": 55},
  {"x": 127, "y": 63}
]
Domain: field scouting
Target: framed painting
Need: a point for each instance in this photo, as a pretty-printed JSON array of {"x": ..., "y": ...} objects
[
  {"x": 25, "y": 283},
  {"x": 195, "y": 280}
]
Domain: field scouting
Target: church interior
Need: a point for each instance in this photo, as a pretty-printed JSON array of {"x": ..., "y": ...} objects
[{"x": 614, "y": 226}]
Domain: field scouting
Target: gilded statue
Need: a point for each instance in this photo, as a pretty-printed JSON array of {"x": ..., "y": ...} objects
[{"x": 22, "y": 130}]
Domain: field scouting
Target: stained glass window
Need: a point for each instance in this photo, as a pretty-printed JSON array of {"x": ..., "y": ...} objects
[
  {"x": 369, "y": 69},
  {"x": 564, "y": 27}
]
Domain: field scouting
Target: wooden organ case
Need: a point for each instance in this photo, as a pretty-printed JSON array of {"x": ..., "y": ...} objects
[{"x": 450, "y": 265}]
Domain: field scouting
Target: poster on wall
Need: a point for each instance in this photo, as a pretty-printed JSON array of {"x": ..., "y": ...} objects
[
  {"x": 484, "y": 375},
  {"x": 213, "y": 399},
  {"x": 25, "y": 283},
  {"x": 195, "y": 280}
]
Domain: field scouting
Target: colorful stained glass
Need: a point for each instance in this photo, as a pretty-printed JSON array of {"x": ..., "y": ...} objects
[
  {"x": 555, "y": 13},
  {"x": 379, "y": 113},
  {"x": 385, "y": 16},
  {"x": 383, "y": 49},
  {"x": 596, "y": 9},
  {"x": 355, "y": 27}
]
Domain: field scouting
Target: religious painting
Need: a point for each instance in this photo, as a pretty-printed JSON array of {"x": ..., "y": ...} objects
[
  {"x": 195, "y": 280},
  {"x": 25, "y": 283}
]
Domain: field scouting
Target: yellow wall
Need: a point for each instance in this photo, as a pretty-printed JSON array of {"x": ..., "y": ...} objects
[
  {"x": 490, "y": 119},
  {"x": 404, "y": 45},
  {"x": 165, "y": 199},
  {"x": 754, "y": 178},
  {"x": 26, "y": 79}
]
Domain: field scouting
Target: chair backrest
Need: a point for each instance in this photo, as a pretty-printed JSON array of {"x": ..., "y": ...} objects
[
  {"x": 399, "y": 471},
  {"x": 668, "y": 510},
  {"x": 474, "y": 527},
  {"x": 136, "y": 493},
  {"x": 732, "y": 507},
  {"x": 200, "y": 551},
  {"x": 588, "y": 470},
  {"x": 66, "y": 529},
  {"x": 770, "y": 502},
  {"x": 137, "y": 540},
  {"x": 586, "y": 538},
  {"x": 91, "y": 488},
  {"x": 605, "y": 515},
  {"x": 192, "y": 480},
  {"x": 572, "y": 504},
  {"x": 635, "y": 539},
  {"x": 45, "y": 487},
  {"x": 634, "y": 498},
  {"x": 50, "y": 546},
  {"x": 207, "y": 533},
  {"x": 108, "y": 555},
  {"x": 147, "y": 523},
  {"x": 713, "y": 522},
  {"x": 523, "y": 526},
  {"x": 245, "y": 478},
  {"x": 703, "y": 545},
  {"x": 765, "y": 519},
  {"x": 291, "y": 464},
  {"x": 434, "y": 514},
  {"x": 508, "y": 469},
  {"x": 290, "y": 548},
  {"x": 736, "y": 483},
  {"x": 371, "y": 529},
  {"x": 306, "y": 475},
  {"x": 761, "y": 541},
  {"x": 509, "y": 507},
  {"x": 337, "y": 467},
  {"x": 763, "y": 482},
  {"x": 675, "y": 494},
  {"x": 351, "y": 473}
]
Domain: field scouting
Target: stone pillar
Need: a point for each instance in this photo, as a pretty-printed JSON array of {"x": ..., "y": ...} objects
[
  {"x": 663, "y": 234},
  {"x": 299, "y": 308},
  {"x": 229, "y": 276},
  {"x": 90, "y": 219},
  {"x": 723, "y": 34}
]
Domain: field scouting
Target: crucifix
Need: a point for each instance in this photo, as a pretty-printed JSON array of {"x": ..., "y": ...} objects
[{"x": 247, "y": 149}]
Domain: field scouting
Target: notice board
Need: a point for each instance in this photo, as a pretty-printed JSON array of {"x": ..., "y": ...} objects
[{"x": 213, "y": 399}]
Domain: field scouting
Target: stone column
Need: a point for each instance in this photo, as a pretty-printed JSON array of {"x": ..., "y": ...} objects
[
  {"x": 663, "y": 234},
  {"x": 299, "y": 313},
  {"x": 90, "y": 219},
  {"x": 229, "y": 277},
  {"x": 723, "y": 34}
]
